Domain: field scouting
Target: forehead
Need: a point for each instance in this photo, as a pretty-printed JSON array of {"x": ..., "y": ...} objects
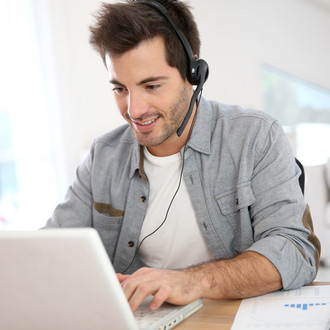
[{"x": 147, "y": 55}]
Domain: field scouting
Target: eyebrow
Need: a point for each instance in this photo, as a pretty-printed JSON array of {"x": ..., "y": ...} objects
[{"x": 140, "y": 83}]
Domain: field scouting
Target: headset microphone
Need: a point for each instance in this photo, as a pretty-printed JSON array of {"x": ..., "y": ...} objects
[{"x": 193, "y": 100}]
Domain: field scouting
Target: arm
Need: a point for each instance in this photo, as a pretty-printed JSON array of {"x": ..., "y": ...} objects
[
  {"x": 76, "y": 210},
  {"x": 246, "y": 275},
  {"x": 281, "y": 220}
]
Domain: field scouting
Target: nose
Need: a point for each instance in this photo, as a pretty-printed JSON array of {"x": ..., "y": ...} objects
[{"x": 136, "y": 107}]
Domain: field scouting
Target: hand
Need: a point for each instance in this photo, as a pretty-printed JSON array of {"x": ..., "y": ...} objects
[
  {"x": 174, "y": 286},
  {"x": 246, "y": 275}
]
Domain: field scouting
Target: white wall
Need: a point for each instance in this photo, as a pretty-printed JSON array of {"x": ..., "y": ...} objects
[{"x": 237, "y": 37}]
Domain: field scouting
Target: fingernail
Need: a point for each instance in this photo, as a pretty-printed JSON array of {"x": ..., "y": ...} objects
[{"x": 153, "y": 306}]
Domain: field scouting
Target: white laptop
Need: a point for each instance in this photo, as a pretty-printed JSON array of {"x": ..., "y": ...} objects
[{"x": 63, "y": 279}]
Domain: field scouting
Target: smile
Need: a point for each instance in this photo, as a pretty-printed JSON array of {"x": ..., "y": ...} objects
[
  {"x": 147, "y": 122},
  {"x": 146, "y": 125}
]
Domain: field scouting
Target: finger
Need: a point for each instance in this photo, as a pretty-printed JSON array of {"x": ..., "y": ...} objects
[
  {"x": 140, "y": 278},
  {"x": 121, "y": 278},
  {"x": 160, "y": 297},
  {"x": 142, "y": 291}
]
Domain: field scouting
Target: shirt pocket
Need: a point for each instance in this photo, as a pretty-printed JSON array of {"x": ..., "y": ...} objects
[
  {"x": 234, "y": 203},
  {"x": 108, "y": 228}
]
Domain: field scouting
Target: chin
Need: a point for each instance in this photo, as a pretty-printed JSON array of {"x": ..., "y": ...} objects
[{"x": 150, "y": 142}]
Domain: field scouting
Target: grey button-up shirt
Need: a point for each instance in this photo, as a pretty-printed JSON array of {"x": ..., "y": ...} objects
[{"x": 242, "y": 180}]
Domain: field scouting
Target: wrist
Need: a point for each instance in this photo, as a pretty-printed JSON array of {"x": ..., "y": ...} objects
[{"x": 205, "y": 279}]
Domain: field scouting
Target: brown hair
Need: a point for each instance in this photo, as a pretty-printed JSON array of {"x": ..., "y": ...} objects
[{"x": 121, "y": 27}]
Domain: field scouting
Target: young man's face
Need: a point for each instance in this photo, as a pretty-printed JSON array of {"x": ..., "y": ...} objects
[{"x": 152, "y": 96}]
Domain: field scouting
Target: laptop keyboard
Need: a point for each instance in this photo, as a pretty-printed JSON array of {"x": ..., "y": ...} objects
[{"x": 146, "y": 317}]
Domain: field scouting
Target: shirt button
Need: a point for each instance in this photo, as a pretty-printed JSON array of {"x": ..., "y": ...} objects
[
  {"x": 130, "y": 244},
  {"x": 143, "y": 199}
]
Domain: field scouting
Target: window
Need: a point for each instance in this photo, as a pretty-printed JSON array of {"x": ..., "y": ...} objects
[
  {"x": 302, "y": 108},
  {"x": 28, "y": 183}
]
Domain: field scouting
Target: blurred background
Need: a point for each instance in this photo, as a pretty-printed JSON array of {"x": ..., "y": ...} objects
[{"x": 55, "y": 98}]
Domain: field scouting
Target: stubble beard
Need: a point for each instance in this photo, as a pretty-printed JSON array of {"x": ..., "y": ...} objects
[{"x": 178, "y": 111}]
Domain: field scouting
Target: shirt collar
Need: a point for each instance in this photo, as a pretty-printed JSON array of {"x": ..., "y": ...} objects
[
  {"x": 200, "y": 139},
  {"x": 137, "y": 156}
]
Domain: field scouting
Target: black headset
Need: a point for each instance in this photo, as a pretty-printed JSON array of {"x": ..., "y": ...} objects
[{"x": 198, "y": 69}]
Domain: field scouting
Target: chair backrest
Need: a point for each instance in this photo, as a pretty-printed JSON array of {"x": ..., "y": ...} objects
[{"x": 302, "y": 176}]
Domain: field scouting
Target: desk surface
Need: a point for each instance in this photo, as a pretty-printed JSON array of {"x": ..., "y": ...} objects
[{"x": 216, "y": 314}]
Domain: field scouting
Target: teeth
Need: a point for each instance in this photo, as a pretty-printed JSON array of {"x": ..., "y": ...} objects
[{"x": 147, "y": 122}]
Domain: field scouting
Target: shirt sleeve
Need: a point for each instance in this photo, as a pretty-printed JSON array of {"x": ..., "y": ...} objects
[
  {"x": 282, "y": 223},
  {"x": 77, "y": 208}
]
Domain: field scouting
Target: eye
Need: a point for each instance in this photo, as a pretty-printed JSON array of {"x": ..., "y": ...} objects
[
  {"x": 152, "y": 87},
  {"x": 118, "y": 90}
]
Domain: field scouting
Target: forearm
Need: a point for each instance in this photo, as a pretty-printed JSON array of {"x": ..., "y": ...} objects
[{"x": 249, "y": 274}]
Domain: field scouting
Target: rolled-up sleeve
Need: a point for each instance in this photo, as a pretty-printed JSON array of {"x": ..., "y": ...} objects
[{"x": 281, "y": 219}]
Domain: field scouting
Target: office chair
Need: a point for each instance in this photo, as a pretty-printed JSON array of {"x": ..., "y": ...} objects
[{"x": 302, "y": 176}]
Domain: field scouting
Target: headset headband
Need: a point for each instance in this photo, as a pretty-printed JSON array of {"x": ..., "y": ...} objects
[{"x": 194, "y": 72}]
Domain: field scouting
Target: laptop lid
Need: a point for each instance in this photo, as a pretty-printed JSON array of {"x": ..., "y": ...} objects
[{"x": 62, "y": 279}]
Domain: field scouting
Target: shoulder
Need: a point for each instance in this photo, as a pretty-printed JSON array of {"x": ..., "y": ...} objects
[
  {"x": 240, "y": 128},
  {"x": 236, "y": 113},
  {"x": 116, "y": 144},
  {"x": 120, "y": 135},
  {"x": 240, "y": 121}
]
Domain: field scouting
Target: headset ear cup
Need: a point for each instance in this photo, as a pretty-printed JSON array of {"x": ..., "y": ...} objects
[
  {"x": 198, "y": 71},
  {"x": 202, "y": 71}
]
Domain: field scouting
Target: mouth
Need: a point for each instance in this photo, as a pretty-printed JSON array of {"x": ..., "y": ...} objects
[
  {"x": 148, "y": 122},
  {"x": 146, "y": 125}
]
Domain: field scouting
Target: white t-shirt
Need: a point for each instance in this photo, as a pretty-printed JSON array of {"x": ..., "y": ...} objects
[{"x": 179, "y": 243}]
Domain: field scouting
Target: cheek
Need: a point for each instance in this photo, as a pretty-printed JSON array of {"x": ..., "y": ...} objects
[{"x": 121, "y": 105}]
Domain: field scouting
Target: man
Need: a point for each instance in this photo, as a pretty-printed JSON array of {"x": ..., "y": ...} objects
[{"x": 216, "y": 212}]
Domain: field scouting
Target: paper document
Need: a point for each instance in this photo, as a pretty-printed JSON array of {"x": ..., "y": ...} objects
[{"x": 305, "y": 308}]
